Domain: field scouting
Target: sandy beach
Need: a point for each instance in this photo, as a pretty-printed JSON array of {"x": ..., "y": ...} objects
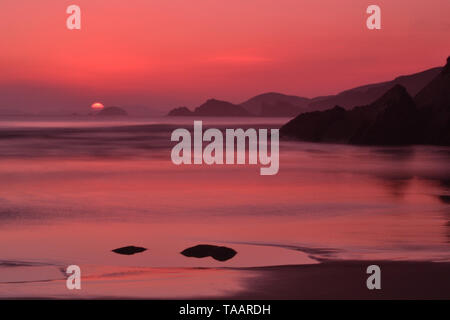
[
  {"x": 330, "y": 280},
  {"x": 347, "y": 280}
]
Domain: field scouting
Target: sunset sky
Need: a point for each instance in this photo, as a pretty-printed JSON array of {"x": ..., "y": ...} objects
[{"x": 165, "y": 53}]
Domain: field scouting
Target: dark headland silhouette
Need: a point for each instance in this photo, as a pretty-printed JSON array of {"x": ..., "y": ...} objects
[
  {"x": 395, "y": 118},
  {"x": 280, "y": 105}
]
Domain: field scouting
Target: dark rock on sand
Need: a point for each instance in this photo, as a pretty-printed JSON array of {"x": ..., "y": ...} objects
[
  {"x": 129, "y": 250},
  {"x": 205, "y": 250}
]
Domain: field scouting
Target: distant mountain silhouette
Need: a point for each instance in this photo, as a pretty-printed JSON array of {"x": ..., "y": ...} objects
[
  {"x": 264, "y": 105},
  {"x": 213, "y": 108},
  {"x": 112, "y": 111},
  {"x": 393, "y": 119},
  {"x": 364, "y": 95},
  {"x": 274, "y": 104},
  {"x": 180, "y": 111}
]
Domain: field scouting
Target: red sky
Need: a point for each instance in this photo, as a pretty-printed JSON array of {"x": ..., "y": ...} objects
[{"x": 165, "y": 53}]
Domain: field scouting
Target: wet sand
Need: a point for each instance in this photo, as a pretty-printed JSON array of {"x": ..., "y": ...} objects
[
  {"x": 330, "y": 280},
  {"x": 347, "y": 280}
]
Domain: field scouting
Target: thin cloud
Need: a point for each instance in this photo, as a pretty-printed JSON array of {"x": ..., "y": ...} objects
[{"x": 240, "y": 59}]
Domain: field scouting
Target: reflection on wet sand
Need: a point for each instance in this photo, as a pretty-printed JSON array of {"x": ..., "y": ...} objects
[{"x": 69, "y": 195}]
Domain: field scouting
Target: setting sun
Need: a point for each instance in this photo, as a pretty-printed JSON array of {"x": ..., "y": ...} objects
[{"x": 97, "y": 106}]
